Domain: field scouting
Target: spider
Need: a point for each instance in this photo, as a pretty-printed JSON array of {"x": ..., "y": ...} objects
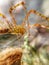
[{"x": 14, "y": 29}]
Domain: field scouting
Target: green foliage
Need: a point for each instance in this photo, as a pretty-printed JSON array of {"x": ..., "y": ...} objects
[{"x": 33, "y": 56}]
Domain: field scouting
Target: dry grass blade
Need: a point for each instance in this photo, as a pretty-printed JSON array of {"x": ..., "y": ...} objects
[{"x": 10, "y": 56}]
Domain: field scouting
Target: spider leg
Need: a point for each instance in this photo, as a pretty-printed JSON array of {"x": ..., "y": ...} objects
[
  {"x": 4, "y": 17},
  {"x": 14, "y": 7}
]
